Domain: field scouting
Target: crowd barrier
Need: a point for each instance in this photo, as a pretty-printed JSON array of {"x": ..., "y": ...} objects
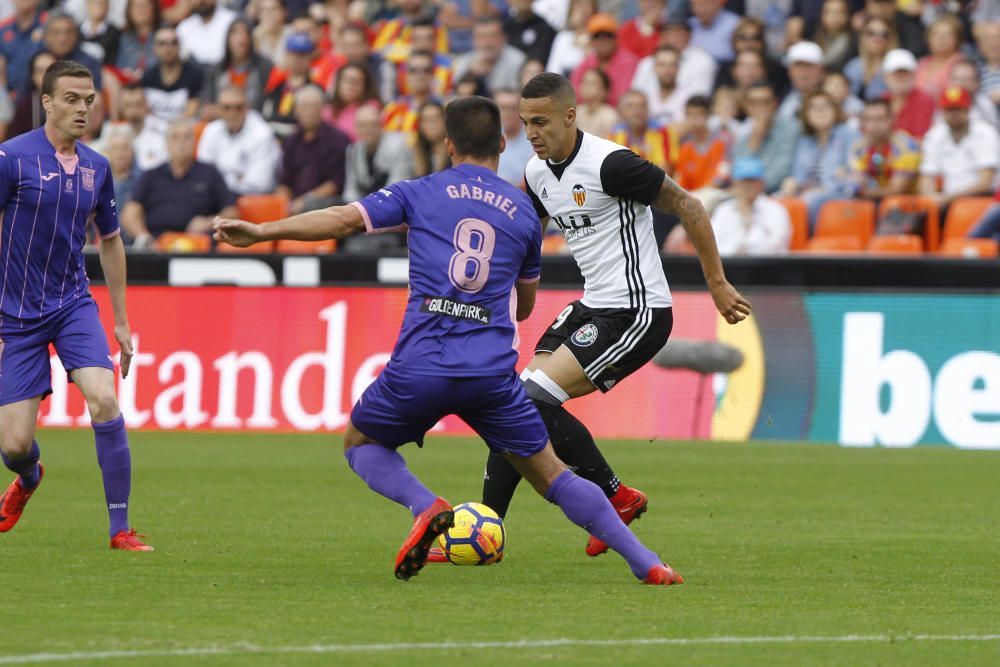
[{"x": 879, "y": 366}]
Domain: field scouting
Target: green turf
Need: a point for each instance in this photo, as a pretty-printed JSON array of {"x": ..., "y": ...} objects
[{"x": 271, "y": 541}]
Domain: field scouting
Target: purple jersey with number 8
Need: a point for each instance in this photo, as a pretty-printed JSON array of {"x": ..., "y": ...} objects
[{"x": 471, "y": 237}]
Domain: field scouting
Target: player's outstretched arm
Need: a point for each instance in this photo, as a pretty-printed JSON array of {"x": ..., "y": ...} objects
[
  {"x": 336, "y": 222},
  {"x": 672, "y": 198},
  {"x": 112, "y": 255}
]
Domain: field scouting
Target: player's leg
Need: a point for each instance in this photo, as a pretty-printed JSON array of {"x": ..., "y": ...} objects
[
  {"x": 25, "y": 378},
  {"x": 83, "y": 350},
  {"x": 394, "y": 410},
  {"x": 509, "y": 423}
]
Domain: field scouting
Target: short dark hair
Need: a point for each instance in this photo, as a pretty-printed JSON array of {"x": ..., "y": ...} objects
[
  {"x": 879, "y": 102},
  {"x": 548, "y": 84},
  {"x": 698, "y": 102},
  {"x": 60, "y": 69},
  {"x": 473, "y": 125}
]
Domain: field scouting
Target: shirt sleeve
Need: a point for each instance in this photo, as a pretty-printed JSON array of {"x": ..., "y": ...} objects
[
  {"x": 106, "y": 212},
  {"x": 624, "y": 174},
  {"x": 385, "y": 210},
  {"x": 535, "y": 201},
  {"x": 7, "y": 182}
]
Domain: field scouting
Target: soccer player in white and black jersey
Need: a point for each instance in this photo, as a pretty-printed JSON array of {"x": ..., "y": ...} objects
[{"x": 599, "y": 194}]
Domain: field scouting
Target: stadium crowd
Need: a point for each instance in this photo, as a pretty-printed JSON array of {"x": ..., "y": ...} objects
[{"x": 822, "y": 125}]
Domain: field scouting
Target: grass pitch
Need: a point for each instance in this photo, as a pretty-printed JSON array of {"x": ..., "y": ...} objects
[{"x": 268, "y": 545}]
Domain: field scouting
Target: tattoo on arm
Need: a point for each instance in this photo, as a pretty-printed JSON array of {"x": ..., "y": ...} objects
[{"x": 672, "y": 198}]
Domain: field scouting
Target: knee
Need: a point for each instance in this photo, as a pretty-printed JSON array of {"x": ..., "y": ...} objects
[
  {"x": 103, "y": 406},
  {"x": 16, "y": 442},
  {"x": 353, "y": 437}
]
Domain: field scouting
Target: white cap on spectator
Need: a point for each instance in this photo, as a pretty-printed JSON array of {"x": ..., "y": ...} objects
[
  {"x": 805, "y": 52},
  {"x": 899, "y": 59}
]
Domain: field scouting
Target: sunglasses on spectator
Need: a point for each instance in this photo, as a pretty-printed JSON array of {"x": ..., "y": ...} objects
[
  {"x": 232, "y": 107},
  {"x": 604, "y": 35},
  {"x": 166, "y": 42}
]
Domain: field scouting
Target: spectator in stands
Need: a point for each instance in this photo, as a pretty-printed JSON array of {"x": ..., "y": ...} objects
[
  {"x": 702, "y": 161},
  {"x": 61, "y": 38},
  {"x": 944, "y": 39},
  {"x": 884, "y": 161},
  {"x": 834, "y": 35},
  {"x": 121, "y": 156},
  {"x": 748, "y": 68},
  {"x": 607, "y": 55},
  {"x": 491, "y": 58},
  {"x": 353, "y": 88},
  {"x": 423, "y": 38},
  {"x": 965, "y": 74},
  {"x": 962, "y": 154},
  {"x": 241, "y": 145},
  {"x": 768, "y": 138},
  {"x": 28, "y": 111},
  {"x": 988, "y": 226},
  {"x": 149, "y": 142},
  {"x": 353, "y": 46},
  {"x": 775, "y": 18},
  {"x": 136, "y": 50},
  {"x": 529, "y": 70},
  {"x": 988, "y": 45},
  {"x": 727, "y": 107},
  {"x": 836, "y": 85},
  {"x": 272, "y": 31},
  {"x": 751, "y": 223},
  {"x": 279, "y": 94},
  {"x": 593, "y": 113},
  {"x": 20, "y": 39},
  {"x": 912, "y": 108},
  {"x": 401, "y": 114},
  {"x": 865, "y": 71},
  {"x": 460, "y": 18},
  {"x": 822, "y": 155},
  {"x": 181, "y": 195},
  {"x": 647, "y": 138},
  {"x": 697, "y": 69},
  {"x": 173, "y": 86},
  {"x": 323, "y": 64},
  {"x": 241, "y": 66},
  {"x": 515, "y": 156},
  {"x": 750, "y": 35},
  {"x": 907, "y": 25},
  {"x": 641, "y": 35},
  {"x": 806, "y": 72},
  {"x": 712, "y": 28},
  {"x": 99, "y": 37},
  {"x": 571, "y": 43},
  {"x": 377, "y": 159},
  {"x": 666, "y": 99},
  {"x": 203, "y": 33},
  {"x": 430, "y": 155},
  {"x": 529, "y": 32},
  {"x": 314, "y": 157}
]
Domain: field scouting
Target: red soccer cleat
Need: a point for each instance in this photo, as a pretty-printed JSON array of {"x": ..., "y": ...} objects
[
  {"x": 14, "y": 499},
  {"x": 436, "y": 555},
  {"x": 430, "y": 523},
  {"x": 662, "y": 575},
  {"x": 128, "y": 540},
  {"x": 630, "y": 504}
]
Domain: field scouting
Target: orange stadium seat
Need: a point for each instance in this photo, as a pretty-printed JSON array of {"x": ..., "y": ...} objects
[
  {"x": 258, "y": 209},
  {"x": 799, "y": 215},
  {"x": 965, "y": 247},
  {"x": 554, "y": 244},
  {"x": 964, "y": 213},
  {"x": 829, "y": 245},
  {"x": 306, "y": 247},
  {"x": 898, "y": 244},
  {"x": 842, "y": 217},
  {"x": 184, "y": 242},
  {"x": 911, "y": 204}
]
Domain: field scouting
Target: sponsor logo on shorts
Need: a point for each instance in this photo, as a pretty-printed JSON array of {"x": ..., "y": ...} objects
[
  {"x": 442, "y": 305},
  {"x": 579, "y": 195},
  {"x": 586, "y": 335}
]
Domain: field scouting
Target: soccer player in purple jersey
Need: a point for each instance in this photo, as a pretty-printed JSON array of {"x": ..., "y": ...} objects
[
  {"x": 474, "y": 242},
  {"x": 51, "y": 188}
]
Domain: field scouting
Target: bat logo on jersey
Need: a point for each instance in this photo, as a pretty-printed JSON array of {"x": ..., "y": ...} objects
[
  {"x": 579, "y": 194},
  {"x": 87, "y": 178},
  {"x": 586, "y": 335}
]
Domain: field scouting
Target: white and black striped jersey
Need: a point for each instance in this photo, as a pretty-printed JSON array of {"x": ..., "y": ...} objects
[{"x": 600, "y": 197}]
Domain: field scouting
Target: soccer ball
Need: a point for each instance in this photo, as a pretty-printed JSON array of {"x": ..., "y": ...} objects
[{"x": 477, "y": 538}]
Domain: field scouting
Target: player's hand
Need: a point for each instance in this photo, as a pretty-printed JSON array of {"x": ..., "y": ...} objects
[
  {"x": 239, "y": 233},
  {"x": 124, "y": 337},
  {"x": 730, "y": 303}
]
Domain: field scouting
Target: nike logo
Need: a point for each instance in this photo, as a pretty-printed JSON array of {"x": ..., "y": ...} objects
[{"x": 49, "y": 176}]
